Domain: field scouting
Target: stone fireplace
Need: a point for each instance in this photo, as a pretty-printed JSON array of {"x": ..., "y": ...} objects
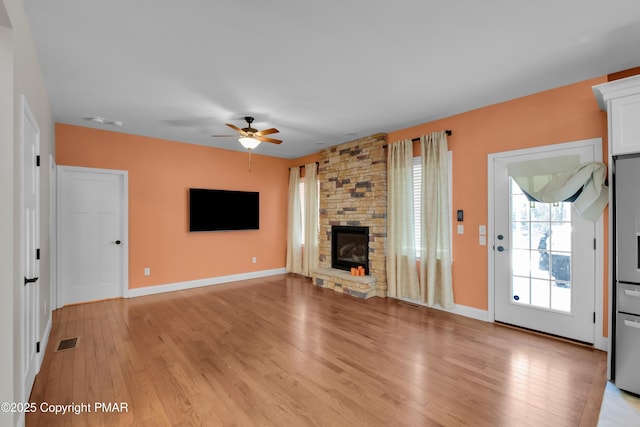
[{"x": 353, "y": 193}]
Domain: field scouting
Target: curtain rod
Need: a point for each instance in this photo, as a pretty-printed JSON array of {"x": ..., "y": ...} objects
[
  {"x": 448, "y": 132},
  {"x": 301, "y": 166}
]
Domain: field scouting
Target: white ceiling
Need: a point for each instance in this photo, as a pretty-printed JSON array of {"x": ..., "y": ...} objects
[{"x": 322, "y": 72}]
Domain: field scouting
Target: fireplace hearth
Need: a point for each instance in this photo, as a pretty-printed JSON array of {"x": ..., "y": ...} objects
[{"x": 350, "y": 247}]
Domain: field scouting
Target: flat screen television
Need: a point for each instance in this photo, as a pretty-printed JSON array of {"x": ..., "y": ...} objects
[{"x": 223, "y": 210}]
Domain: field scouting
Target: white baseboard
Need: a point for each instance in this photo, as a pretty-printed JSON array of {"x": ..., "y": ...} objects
[
  {"x": 44, "y": 340},
  {"x": 602, "y": 343},
  {"x": 461, "y": 310},
  {"x": 179, "y": 286}
]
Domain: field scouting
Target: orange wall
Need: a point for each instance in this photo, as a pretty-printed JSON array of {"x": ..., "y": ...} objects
[
  {"x": 160, "y": 174},
  {"x": 564, "y": 114},
  {"x": 301, "y": 161}
]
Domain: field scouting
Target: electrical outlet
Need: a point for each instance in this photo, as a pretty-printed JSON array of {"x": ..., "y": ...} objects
[
  {"x": 254, "y": 260},
  {"x": 147, "y": 271}
]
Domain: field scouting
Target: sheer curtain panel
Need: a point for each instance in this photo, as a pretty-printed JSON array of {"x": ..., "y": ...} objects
[
  {"x": 294, "y": 224},
  {"x": 311, "y": 231},
  {"x": 435, "y": 252},
  {"x": 402, "y": 275}
]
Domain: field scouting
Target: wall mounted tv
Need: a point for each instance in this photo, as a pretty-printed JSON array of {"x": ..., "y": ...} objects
[{"x": 223, "y": 210}]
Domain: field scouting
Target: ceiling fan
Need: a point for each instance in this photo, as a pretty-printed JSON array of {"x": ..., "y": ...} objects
[{"x": 250, "y": 137}]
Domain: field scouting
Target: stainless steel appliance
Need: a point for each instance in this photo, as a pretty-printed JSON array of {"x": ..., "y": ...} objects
[{"x": 626, "y": 295}]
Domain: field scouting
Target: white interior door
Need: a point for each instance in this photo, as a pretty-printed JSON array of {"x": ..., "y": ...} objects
[
  {"x": 544, "y": 255},
  {"x": 92, "y": 234},
  {"x": 31, "y": 244}
]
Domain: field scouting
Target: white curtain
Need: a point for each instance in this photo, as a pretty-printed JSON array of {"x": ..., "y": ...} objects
[
  {"x": 564, "y": 179},
  {"x": 402, "y": 275},
  {"x": 311, "y": 231},
  {"x": 294, "y": 224},
  {"x": 435, "y": 252}
]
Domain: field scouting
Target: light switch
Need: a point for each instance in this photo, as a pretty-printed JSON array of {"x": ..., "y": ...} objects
[
  {"x": 482, "y": 230},
  {"x": 460, "y": 229},
  {"x": 483, "y": 240}
]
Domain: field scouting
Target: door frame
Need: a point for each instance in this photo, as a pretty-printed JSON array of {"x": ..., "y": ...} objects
[
  {"x": 27, "y": 118},
  {"x": 124, "y": 215},
  {"x": 53, "y": 233},
  {"x": 600, "y": 342}
]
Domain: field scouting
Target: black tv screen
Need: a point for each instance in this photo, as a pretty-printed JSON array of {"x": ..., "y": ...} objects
[{"x": 222, "y": 210}]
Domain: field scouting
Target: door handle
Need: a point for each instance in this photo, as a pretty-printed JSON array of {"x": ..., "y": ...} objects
[
  {"x": 630, "y": 293},
  {"x": 117, "y": 242},
  {"x": 501, "y": 249},
  {"x": 33, "y": 280},
  {"x": 632, "y": 324}
]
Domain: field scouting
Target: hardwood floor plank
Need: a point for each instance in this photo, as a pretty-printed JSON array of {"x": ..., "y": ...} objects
[{"x": 280, "y": 351}]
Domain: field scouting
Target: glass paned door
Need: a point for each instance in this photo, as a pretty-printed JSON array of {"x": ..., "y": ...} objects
[{"x": 541, "y": 256}]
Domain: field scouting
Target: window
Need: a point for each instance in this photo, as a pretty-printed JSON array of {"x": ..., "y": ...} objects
[
  {"x": 541, "y": 252},
  {"x": 417, "y": 188}
]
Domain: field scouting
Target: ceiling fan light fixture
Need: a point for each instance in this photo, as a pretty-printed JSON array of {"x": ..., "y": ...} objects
[{"x": 249, "y": 142}]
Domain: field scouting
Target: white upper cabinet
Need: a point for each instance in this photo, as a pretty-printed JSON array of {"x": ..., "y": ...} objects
[{"x": 621, "y": 100}]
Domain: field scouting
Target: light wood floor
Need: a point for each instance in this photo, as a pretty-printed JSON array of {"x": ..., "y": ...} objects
[{"x": 279, "y": 351}]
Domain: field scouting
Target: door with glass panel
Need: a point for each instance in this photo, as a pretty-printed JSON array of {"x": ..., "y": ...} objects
[{"x": 544, "y": 256}]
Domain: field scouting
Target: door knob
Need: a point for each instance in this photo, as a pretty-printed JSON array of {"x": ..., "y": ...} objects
[
  {"x": 501, "y": 249},
  {"x": 117, "y": 242}
]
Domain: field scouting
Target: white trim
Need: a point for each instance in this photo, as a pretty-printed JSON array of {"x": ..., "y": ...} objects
[
  {"x": 466, "y": 311},
  {"x": 124, "y": 203},
  {"x": 460, "y": 310},
  {"x": 615, "y": 89},
  {"x": 198, "y": 283},
  {"x": 491, "y": 311},
  {"x": 44, "y": 340},
  {"x": 53, "y": 236},
  {"x": 600, "y": 341}
]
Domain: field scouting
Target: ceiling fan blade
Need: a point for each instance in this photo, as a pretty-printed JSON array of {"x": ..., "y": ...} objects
[
  {"x": 224, "y": 136},
  {"x": 237, "y": 129},
  {"x": 267, "y": 132},
  {"x": 264, "y": 139}
]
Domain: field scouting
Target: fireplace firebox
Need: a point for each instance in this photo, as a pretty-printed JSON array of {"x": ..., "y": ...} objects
[{"x": 350, "y": 247}]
